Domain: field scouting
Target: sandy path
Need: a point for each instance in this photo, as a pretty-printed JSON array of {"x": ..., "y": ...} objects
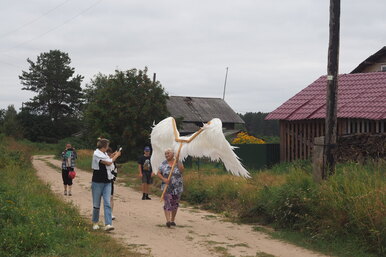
[{"x": 140, "y": 224}]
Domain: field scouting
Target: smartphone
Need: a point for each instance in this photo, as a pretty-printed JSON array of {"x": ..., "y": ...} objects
[{"x": 120, "y": 149}]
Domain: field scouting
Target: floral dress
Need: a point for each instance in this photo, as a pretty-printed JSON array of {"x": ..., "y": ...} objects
[{"x": 175, "y": 188}]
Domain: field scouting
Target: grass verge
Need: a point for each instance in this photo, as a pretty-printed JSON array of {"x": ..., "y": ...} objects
[{"x": 34, "y": 222}]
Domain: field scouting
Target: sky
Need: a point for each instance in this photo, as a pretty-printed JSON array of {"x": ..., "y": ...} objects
[{"x": 273, "y": 48}]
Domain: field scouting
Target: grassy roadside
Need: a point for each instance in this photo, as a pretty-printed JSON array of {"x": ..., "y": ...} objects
[
  {"x": 34, "y": 222},
  {"x": 344, "y": 216}
]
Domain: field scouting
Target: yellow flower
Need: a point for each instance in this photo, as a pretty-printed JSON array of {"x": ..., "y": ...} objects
[{"x": 244, "y": 138}]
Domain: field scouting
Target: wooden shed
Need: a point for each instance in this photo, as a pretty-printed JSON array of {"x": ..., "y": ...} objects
[
  {"x": 194, "y": 111},
  {"x": 361, "y": 109}
]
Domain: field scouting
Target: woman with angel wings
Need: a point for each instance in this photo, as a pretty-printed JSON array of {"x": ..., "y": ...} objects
[
  {"x": 174, "y": 184},
  {"x": 209, "y": 141}
]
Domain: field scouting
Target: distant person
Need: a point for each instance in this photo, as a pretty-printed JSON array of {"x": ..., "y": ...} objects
[
  {"x": 145, "y": 172},
  {"x": 114, "y": 172},
  {"x": 175, "y": 188},
  {"x": 101, "y": 183},
  {"x": 68, "y": 164}
]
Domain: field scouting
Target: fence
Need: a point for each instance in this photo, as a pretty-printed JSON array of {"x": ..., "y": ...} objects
[
  {"x": 256, "y": 156},
  {"x": 252, "y": 156}
]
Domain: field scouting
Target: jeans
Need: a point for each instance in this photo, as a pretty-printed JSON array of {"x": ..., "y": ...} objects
[{"x": 99, "y": 190}]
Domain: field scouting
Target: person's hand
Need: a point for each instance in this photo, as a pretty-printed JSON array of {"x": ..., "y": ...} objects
[
  {"x": 167, "y": 181},
  {"x": 117, "y": 154}
]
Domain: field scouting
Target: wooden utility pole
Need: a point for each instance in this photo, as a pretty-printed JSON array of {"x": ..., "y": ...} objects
[
  {"x": 332, "y": 91},
  {"x": 225, "y": 84}
]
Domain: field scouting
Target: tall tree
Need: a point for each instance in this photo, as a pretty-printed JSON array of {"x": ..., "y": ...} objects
[
  {"x": 59, "y": 94},
  {"x": 123, "y": 107},
  {"x": 54, "y": 112},
  {"x": 257, "y": 125},
  {"x": 11, "y": 125}
]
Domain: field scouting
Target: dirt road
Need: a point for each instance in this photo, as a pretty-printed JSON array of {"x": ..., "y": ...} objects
[{"x": 141, "y": 224}]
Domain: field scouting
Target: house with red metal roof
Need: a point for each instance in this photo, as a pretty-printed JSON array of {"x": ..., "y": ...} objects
[{"x": 361, "y": 108}]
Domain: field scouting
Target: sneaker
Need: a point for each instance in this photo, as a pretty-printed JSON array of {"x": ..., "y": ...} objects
[
  {"x": 109, "y": 228},
  {"x": 112, "y": 217},
  {"x": 65, "y": 192},
  {"x": 69, "y": 194},
  {"x": 143, "y": 197},
  {"x": 173, "y": 223},
  {"x": 147, "y": 197},
  {"x": 95, "y": 226},
  {"x": 168, "y": 224}
]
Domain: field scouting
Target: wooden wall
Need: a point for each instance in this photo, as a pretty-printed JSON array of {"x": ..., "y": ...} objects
[{"x": 297, "y": 137}]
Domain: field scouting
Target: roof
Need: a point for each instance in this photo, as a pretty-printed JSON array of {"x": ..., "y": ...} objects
[
  {"x": 201, "y": 109},
  {"x": 360, "y": 95},
  {"x": 370, "y": 60}
]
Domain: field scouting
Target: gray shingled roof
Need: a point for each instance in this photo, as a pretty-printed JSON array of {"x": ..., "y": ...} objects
[{"x": 201, "y": 109}]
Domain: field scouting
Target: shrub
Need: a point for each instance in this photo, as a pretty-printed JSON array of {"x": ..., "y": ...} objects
[{"x": 244, "y": 138}]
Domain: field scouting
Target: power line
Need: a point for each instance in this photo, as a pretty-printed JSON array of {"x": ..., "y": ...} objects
[
  {"x": 54, "y": 28},
  {"x": 33, "y": 21}
]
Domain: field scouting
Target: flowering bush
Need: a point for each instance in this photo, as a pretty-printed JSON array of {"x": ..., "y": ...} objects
[{"x": 244, "y": 138}]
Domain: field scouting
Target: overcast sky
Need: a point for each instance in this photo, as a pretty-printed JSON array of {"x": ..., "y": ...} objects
[{"x": 273, "y": 48}]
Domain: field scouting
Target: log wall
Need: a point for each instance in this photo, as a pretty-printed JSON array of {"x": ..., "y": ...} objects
[{"x": 297, "y": 137}]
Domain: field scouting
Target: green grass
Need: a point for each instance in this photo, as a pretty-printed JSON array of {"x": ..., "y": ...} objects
[
  {"x": 34, "y": 222},
  {"x": 343, "y": 216}
]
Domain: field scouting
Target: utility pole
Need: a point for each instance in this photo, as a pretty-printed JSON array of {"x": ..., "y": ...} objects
[
  {"x": 332, "y": 91},
  {"x": 225, "y": 84},
  {"x": 154, "y": 78}
]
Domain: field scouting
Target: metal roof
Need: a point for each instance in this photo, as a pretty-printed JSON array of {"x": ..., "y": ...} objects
[
  {"x": 201, "y": 109},
  {"x": 360, "y": 95}
]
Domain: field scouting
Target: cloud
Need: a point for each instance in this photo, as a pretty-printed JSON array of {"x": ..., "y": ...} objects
[{"x": 273, "y": 48}]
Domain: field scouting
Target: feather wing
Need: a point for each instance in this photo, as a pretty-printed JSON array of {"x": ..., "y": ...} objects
[
  {"x": 212, "y": 143},
  {"x": 161, "y": 137}
]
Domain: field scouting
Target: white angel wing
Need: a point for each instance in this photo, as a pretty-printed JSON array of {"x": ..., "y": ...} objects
[
  {"x": 161, "y": 137},
  {"x": 212, "y": 143}
]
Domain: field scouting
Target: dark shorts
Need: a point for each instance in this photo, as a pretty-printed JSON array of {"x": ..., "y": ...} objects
[
  {"x": 146, "y": 177},
  {"x": 112, "y": 187},
  {"x": 66, "y": 179}
]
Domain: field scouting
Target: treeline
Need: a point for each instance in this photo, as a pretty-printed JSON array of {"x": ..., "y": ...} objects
[
  {"x": 257, "y": 126},
  {"x": 120, "y": 106}
]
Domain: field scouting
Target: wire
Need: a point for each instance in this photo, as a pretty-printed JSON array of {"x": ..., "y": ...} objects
[
  {"x": 54, "y": 28},
  {"x": 33, "y": 21}
]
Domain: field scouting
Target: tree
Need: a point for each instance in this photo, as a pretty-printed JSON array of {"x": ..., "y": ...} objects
[
  {"x": 257, "y": 125},
  {"x": 10, "y": 123},
  {"x": 122, "y": 107},
  {"x": 59, "y": 94}
]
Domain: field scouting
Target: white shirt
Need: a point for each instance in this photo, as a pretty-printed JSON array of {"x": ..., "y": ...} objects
[
  {"x": 97, "y": 157},
  {"x": 101, "y": 156}
]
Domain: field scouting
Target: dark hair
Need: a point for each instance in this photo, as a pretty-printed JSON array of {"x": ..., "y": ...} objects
[{"x": 109, "y": 150}]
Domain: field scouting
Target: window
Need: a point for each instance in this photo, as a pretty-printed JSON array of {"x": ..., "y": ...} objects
[{"x": 383, "y": 67}]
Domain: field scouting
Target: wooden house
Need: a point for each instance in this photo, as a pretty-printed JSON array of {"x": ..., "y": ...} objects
[
  {"x": 194, "y": 111},
  {"x": 374, "y": 63},
  {"x": 361, "y": 108}
]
